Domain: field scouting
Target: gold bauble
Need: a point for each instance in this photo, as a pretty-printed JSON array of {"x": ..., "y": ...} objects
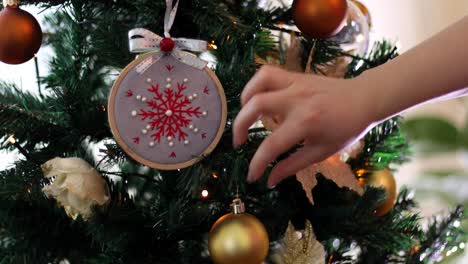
[
  {"x": 382, "y": 179},
  {"x": 320, "y": 18},
  {"x": 238, "y": 239},
  {"x": 21, "y": 35}
]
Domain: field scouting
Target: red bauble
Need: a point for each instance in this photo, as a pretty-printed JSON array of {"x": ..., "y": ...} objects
[
  {"x": 320, "y": 18},
  {"x": 20, "y": 37},
  {"x": 167, "y": 44}
]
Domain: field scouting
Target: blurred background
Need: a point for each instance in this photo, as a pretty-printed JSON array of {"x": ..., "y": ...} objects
[{"x": 438, "y": 171}]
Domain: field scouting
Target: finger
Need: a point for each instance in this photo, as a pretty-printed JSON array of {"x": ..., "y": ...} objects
[
  {"x": 261, "y": 104},
  {"x": 299, "y": 160},
  {"x": 268, "y": 78},
  {"x": 280, "y": 141}
]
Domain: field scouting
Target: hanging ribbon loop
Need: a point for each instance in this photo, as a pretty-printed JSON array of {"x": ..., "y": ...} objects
[
  {"x": 142, "y": 40},
  {"x": 169, "y": 17}
]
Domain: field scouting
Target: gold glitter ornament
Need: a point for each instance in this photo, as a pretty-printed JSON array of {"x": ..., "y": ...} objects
[{"x": 238, "y": 237}]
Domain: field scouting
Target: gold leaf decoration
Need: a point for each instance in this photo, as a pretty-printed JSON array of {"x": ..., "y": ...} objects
[
  {"x": 333, "y": 169},
  {"x": 308, "y": 180},
  {"x": 300, "y": 247}
]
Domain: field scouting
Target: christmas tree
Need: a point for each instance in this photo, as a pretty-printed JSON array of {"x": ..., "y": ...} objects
[{"x": 63, "y": 203}]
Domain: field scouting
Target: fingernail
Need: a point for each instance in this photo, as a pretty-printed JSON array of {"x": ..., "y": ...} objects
[
  {"x": 235, "y": 144},
  {"x": 271, "y": 184},
  {"x": 249, "y": 177}
]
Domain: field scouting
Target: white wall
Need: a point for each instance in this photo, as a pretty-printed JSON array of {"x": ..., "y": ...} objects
[{"x": 412, "y": 21}]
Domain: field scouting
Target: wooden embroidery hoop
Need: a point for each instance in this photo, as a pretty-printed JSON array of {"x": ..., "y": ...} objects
[{"x": 136, "y": 156}]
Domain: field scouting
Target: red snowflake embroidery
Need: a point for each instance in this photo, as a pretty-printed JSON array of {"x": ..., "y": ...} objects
[
  {"x": 129, "y": 93},
  {"x": 136, "y": 140},
  {"x": 206, "y": 90},
  {"x": 173, "y": 155},
  {"x": 170, "y": 112},
  {"x": 169, "y": 67},
  {"x": 203, "y": 135}
]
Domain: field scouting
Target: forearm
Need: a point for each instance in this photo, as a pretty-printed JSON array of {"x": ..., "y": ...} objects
[{"x": 436, "y": 69}]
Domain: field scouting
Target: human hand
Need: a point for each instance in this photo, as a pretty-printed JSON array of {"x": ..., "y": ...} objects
[{"x": 323, "y": 114}]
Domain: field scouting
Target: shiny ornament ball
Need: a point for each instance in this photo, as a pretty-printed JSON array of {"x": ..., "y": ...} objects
[
  {"x": 364, "y": 11},
  {"x": 382, "y": 179},
  {"x": 20, "y": 36},
  {"x": 320, "y": 18},
  {"x": 238, "y": 238},
  {"x": 354, "y": 36}
]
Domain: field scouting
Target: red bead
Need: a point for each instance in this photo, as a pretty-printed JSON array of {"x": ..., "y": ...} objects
[{"x": 167, "y": 44}]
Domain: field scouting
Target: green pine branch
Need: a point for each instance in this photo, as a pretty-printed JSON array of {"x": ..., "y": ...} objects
[
  {"x": 441, "y": 236},
  {"x": 383, "y": 145}
]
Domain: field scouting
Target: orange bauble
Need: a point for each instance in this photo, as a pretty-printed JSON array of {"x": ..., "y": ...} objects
[
  {"x": 20, "y": 36},
  {"x": 320, "y": 18}
]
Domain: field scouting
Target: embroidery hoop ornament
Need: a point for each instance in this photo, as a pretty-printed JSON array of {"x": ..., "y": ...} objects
[{"x": 148, "y": 41}]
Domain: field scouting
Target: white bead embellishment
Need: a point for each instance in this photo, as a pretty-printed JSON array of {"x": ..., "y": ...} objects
[
  {"x": 169, "y": 138},
  {"x": 195, "y": 95},
  {"x": 171, "y": 144},
  {"x": 204, "y": 113},
  {"x": 168, "y": 85},
  {"x": 186, "y": 142},
  {"x": 185, "y": 80},
  {"x": 190, "y": 127},
  {"x": 168, "y": 113},
  {"x": 148, "y": 127},
  {"x": 144, "y": 99},
  {"x": 144, "y": 131},
  {"x": 168, "y": 79},
  {"x": 148, "y": 80},
  {"x": 138, "y": 97},
  {"x": 195, "y": 130},
  {"x": 151, "y": 144},
  {"x": 134, "y": 113}
]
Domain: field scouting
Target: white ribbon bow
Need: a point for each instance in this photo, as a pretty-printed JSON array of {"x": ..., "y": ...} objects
[{"x": 142, "y": 40}]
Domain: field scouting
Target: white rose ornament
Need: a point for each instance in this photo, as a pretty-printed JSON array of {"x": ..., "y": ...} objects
[{"x": 77, "y": 186}]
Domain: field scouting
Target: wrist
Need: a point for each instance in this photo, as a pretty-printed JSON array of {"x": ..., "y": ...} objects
[
  {"x": 368, "y": 95},
  {"x": 381, "y": 94}
]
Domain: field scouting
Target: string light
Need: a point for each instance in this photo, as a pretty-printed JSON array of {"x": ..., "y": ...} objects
[
  {"x": 205, "y": 193},
  {"x": 214, "y": 175},
  {"x": 212, "y": 45},
  {"x": 14, "y": 142},
  {"x": 12, "y": 139},
  {"x": 360, "y": 172}
]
